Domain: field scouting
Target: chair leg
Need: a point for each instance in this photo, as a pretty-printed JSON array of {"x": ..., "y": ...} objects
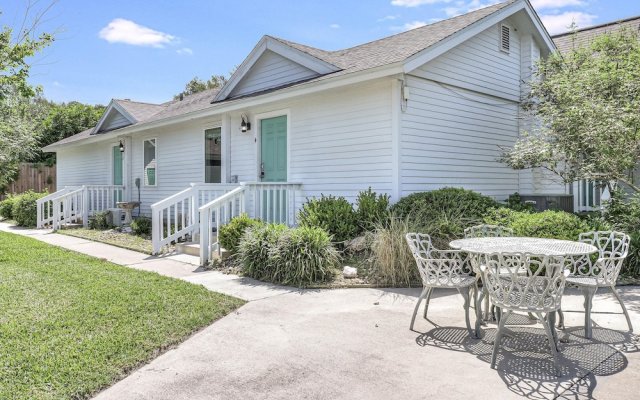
[
  {"x": 427, "y": 300},
  {"x": 624, "y": 309},
  {"x": 415, "y": 310},
  {"x": 551, "y": 317},
  {"x": 496, "y": 342},
  {"x": 465, "y": 292},
  {"x": 546, "y": 322},
  {"x": 588, "y": 292},
  {"x": 479, "y": 302},
  {"x": 476, "y": 302},
  {"x": 560, "y": 319}
]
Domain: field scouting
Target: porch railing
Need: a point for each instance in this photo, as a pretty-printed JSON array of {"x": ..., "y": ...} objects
[
  {"x": 176, "y": 217},
  {"x": 270, "y": 202},
  {"x": 75, "y": 204},
  {"x": 588, "y": 195}
]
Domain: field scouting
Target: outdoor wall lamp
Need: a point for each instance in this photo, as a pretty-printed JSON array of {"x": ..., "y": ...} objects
[
  {"x": 121, "y": 147},
  {"x": 245, "y": 125}
]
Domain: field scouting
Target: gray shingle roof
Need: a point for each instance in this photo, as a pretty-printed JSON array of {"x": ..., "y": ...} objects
[
  {"x": 568, "y": 41},
  {"x": 385, "y": 51}
]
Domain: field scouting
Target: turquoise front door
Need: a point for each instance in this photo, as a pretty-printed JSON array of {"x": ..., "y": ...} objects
[
  {"x": 273, "y": 152},
  {"x": 117, "y": 171}
]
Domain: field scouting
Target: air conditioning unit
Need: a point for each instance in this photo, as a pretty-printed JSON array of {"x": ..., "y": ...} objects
[
  {"x": 542, "y": 202},
  {"x": 115, "y": 216}
]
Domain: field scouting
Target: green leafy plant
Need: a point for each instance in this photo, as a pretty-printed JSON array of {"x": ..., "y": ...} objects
[
  {"x": 25, "y": 208},
  {"x": 392, "y": 261},
  {"x": 231, "y": 233},
  {"x": 546, "y": 224},
  {"x": 622, "y": 212},
  {"x": 291, "y": 256},
  {"x": 141, "y": 226},
  {"x": 100, "y": 221},
  {"x": 6, "y": 206},
  {"x": 514, "y": 202},
  {"x": 372, "y": 209},
  {"x": 333, "y": 214}
]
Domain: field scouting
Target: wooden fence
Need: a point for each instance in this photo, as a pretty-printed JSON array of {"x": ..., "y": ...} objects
[{"x": 36, "y": 177}]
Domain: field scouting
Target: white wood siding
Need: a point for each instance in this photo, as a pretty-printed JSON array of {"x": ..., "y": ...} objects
[
  {"x": 114, "y": 120},
  {"x": 84, "y": 165},
  {"x": 271, "y": 70},
  {"x": 463, "y": 105}
]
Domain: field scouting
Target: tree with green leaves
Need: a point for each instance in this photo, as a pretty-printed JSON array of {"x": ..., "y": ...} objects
[
  {"x": 586, "y": 104},
  {"x": 197, "y": 85}
]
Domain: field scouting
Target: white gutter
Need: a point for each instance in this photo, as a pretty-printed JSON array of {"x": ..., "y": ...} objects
[{"x": 327, "y": 83}]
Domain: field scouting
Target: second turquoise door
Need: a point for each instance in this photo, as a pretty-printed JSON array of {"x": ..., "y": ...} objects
[{"x": 273, "y": 153}]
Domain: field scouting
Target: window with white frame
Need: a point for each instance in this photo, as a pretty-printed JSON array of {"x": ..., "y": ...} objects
[{"x": 150, "y": 163}]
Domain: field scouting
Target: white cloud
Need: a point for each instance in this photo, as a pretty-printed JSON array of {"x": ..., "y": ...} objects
[
  {"x": 388, "y": 18},
  {"x": 185, "y": 51},
  {"x": 57, "y": 84},
  {"x": 415, "y": 3},
  {"x": 558, "y": 23},
  {"x": 409, "y": 25},
  {"x": 122, "y": 30},
  {"x": 555, "y": 4},
  {"x": 462, "y": 7},
  {"x": 334, "y": 26}
]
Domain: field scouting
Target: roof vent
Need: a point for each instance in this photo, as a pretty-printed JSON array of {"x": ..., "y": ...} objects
[{"x": 504, "y": 38}]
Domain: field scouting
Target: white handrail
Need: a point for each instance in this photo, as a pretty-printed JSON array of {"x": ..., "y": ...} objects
[
  {"x": 44, "y": 209},
  {"x": 68, "y": 208},
  {"x": 223, "y": 209}
]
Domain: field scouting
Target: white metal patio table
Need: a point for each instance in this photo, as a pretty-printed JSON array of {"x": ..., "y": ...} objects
[{"x": 477, "y": 247}]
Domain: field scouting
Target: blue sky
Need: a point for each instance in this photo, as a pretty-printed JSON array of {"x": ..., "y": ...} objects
[{"x": 148, "y": 50}]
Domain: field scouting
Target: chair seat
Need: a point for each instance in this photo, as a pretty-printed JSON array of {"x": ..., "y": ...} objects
[
  {"x": 533, "y": 301},
  {"x": 453, "y": 282},
  {"x": 590, "y": 281}
]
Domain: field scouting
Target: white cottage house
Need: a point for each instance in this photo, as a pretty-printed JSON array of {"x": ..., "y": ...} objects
[{"x": 411, "y": 112}]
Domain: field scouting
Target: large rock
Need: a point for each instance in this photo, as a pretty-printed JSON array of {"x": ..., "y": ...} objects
[
  {"x": 357, "y": 244},
  {"x": 350, "y": 272}
]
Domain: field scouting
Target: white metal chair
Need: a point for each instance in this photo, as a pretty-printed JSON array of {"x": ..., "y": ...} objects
[
  {"x": 539, "y": 291},
  {"x": 589, "y": 274},
  {"x": 441, "y": 269},
  {"x": 487, "y": 231}
]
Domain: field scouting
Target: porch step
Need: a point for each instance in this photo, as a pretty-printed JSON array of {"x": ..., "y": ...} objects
[{"x": 193, "y": 249}]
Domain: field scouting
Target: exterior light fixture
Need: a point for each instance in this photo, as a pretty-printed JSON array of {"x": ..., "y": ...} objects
[
  {"x": 245, "y": 125},
  {"x": 121, "y": 147}
]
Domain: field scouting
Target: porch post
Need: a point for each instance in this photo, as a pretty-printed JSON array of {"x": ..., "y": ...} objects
[
  {"x": 226, "y": 148},
  {"x": 85, "y": 207}
]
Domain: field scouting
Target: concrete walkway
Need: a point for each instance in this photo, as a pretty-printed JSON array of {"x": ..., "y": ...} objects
[{"x": 355, "y": 344}]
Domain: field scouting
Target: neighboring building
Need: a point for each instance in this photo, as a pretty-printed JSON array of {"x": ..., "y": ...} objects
[
  {"x": 588, "y": 195},
  {"x": 415, "y": 111}
]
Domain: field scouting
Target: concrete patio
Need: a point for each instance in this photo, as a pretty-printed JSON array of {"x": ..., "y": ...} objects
[{"x": 355, "y": 344}]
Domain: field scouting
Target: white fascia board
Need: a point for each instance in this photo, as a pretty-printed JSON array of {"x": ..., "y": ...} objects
[
  {"x": 544, "y": 35},
  {"x": 428, "y": 54},
  {"x": 113, "y": 105},
  {"x": 268, "y": 43},
  {"x": 244, "y": 103}
]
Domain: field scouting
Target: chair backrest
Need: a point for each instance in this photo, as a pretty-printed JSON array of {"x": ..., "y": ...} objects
[
  {"x": 525, "y": 281},
  {"x": 487, "y": 231},
  {"x": 438, "y": 267},
  {"x": 613, "y": 248}
]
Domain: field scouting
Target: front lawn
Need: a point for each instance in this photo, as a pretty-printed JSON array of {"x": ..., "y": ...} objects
[
  {"x": 71, "y": 324},
  {"x": 112, "y": 237}
]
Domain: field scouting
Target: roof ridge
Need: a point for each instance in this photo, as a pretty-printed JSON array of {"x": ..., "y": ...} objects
[
  {"x": 139, "y": 102},
  {"x": 602, "y": 25}
]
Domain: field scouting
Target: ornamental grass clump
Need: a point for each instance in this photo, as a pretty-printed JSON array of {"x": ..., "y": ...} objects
[
  {"x": 391, "y": 259},
  {"x": 290, "y": 256}
]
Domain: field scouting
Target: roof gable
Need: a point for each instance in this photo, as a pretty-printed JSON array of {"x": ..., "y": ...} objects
[
  {"x": 276, "y": 57},
  {"x": 115, "y": 116}
]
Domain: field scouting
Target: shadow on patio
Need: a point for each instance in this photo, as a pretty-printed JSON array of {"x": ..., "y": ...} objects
[{"x": 526, "y": 366}]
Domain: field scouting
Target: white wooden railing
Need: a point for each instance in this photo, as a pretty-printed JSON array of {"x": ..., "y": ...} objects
[
  {"x": 269, "y": 202},
  {"x": 588, "y": 195},
  {"x": 75, "y": 204},
  {"x": 176, "y": 217}
]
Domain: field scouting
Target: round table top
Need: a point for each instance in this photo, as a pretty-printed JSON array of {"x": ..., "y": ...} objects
[{"x": 549, "y": 247}]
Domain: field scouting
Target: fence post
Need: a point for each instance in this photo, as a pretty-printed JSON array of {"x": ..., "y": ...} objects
[
  {"x": 85, "y": 206},
  {"x": 156, "y": 232},
  {"x": 39, "y": 204},
  {"x": 204, "y": 235}
]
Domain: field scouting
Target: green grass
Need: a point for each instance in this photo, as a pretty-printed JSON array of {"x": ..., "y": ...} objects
[
  {"x": 71, "y": 324},
  {"x": 119, "y": 239}
]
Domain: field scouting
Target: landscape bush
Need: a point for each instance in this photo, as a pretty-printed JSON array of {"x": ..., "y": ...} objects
[
  {"x": 141, "y": 226},
  {"x": 546, "y": 224},
  {"x": 622, "y": 213},
  {"x": 100, "y": 221},
  {"x": 6, "y": 206},
  {"x": 25, "y": 209},
  {"x": 391, "y": 259},
  {"x": 290, "y": 256},
  {"x": 231, "y": 233},
  {"x": 371, "y": 209},
  {"x": 333, "y": 214}
]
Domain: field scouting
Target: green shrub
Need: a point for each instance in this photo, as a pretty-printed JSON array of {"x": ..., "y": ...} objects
[
  {"x": 141, "y": 226},
  {"x": 290, "y": 256},
  {"x": 100, "y": 221},
  {"x": 372, "y": 209},
  {"x": 514, "y": 202},
  {"x": 446, "y": 203},
  {"x": 622, "y": 213},
  {"x": 25, "y": 209},
  {"x": 6, "y": 206},
  {"x": 392, "y": 261},
  {"x": 333, "y": 214},
  {"x": 546, "y": 224},
  {"x": 231, "y": 233}
]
